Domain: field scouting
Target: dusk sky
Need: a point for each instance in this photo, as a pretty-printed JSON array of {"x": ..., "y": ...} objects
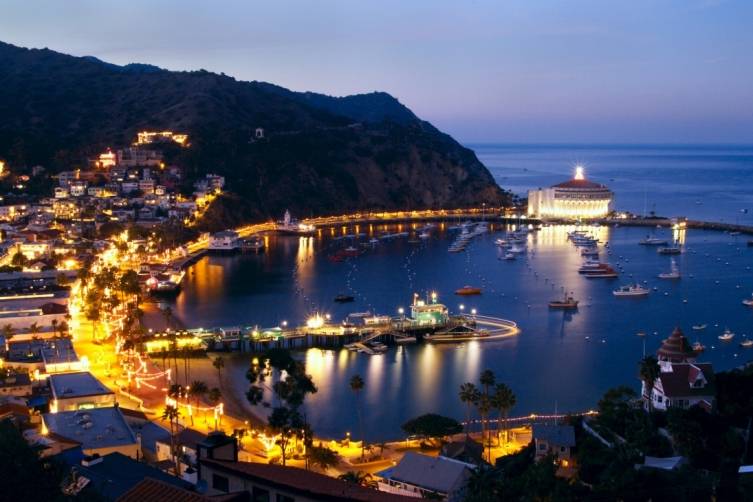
[{"x": 482, "y": 70}]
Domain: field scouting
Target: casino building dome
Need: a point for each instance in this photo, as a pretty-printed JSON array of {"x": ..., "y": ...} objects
[{"x": 574, "y": 199}]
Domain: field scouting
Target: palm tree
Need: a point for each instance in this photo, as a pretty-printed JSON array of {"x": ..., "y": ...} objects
[
  {"x": 503, "y": 400},
  {"x": 34, "y": 330},
  {"x": 356, "y": 385},
  {"x": 197, "y": 390},
  {"x": 356, "y": 478},
  {"x": 219, "y": 363},
  {"x": 486, "y": 379},
  {"x": 214, "y": 396},
  {"x": 484, "y": 406},
  {"x": 8, "y": 332},
  {"x": 649, "y": 371},
  {"x": 54, "y": 324},
  {"x": 469, "y": 395},
  {"x": 172, "y": 414}
]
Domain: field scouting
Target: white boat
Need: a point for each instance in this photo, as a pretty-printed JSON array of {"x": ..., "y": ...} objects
[
  {"x": 631, "y": 290},
  {"x": 747, "y": 343},
  {"x": 516, "y": 249},
  {"x": 652, "y": 241},
  {"x": 374, "y": 241},
  {"x": 726, "y": 336},
  {"x": 424, "y": 235},
  {"x": 699, "y": 327},
  {"x": 500, "y": 242},
  {"x": 748, "y": 301},
  {"x": 405, "y": 339},
  {"x": 509, "y": 256},
  {"x": 674, "y": 272}
]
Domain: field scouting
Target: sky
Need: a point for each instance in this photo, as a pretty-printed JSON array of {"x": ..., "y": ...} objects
[{"x": 530, "y": 71}]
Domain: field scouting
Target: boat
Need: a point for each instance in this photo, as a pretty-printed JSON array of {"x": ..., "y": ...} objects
[
  {"x": 360, "y": 314},
  {"x": 669, "y": 250},
  {"x": 500, "y": 242},
  {"x": 726, "y": 336},
  {"x": 254, "y": 245},
  {"x": 674, "y": 272},
  {"x": 344, "y": 298},
  {"x": 424, "y": 235},
  {"x": 374, "y": 241},
  {"x": 748, "y": 301},
  {"x": 350, "y": 251},
  {"x": 467, "y": 291},
  {"x": 405, "y": 339},
  {"x": 606, "y": 273},
  {"x": 509, "y": 256},
  {"x": 698, "y": 347},
  {"x": 377, "y": 347},
  {"x": 631, "y": 290},
  {"x": 516, "y": 249},
  {"x": 746, "y": 343},
  {"x": 653, "y": 241},
  {"x": 589, "y": 252},
  {"x": 699, "y": 327},
  {"x": 567, "y": 303}
]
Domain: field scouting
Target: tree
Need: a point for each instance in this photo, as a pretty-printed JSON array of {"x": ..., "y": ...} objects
[
  {"x": 322, "y": 457},
  {"x": 8, "y": 332},
  {"x": 649, "y": 371},
  {"x": 18, "y": 259},
  {"x": 432, "y": 426},
  {"x": 219, "y": 363},
  {"x": 357, "y": 478},
  {"x": 486, "y": 379},
  {"x": 172, "y": 414},
  {"x": 129, "y": 284},
  {"x": 197, "y": 390},
  {"x": 214, "y": 396},
  {"x": 469, "y": 395},
  {"x": 503, "y": 400},
  {"x": 25, "y": 475},
  {"x": 356, "y": 385},
  {"x": 484, "y": 406},
  {"x": 290, "y": 392}
]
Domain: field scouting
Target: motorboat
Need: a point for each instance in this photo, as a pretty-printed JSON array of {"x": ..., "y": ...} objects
[
  {"x": 631, "y": 290},
  {"x": 424, "y": 235},
  {"x": 670, "y": 250},
  {"x": 500, "y": 242},
  {"x": 516, "y": 249},
  {"x": 747, "y": 343},
  {"x": 698, "y": 347},
  {"x": 748, "y": 301},
  {"x": 468, "y": 291},
  {"x": 606, "y": 273},
  {"x": 509, "y": 256},
  {"x": 699, "y": 327},
  {"x": 726, "y": 336},
  {"x": 344, "y": 298},
  {"x": 589, "y": 252},
  {"x": 674, "y": 272},
  {"x": 653, "y": 241},
  {"x": 567, "y": 303}
]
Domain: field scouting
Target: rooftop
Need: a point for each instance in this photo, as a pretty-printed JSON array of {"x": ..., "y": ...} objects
[
  {"x": 152, "y": 490},
  {"x": 676, "y": 348},
  {"x": 94, "y": 428},
  {"x": 115, "y": 474},
  {"x": 581, "y": 184},
  {"x": 678, "y": 382},
  {"x": 438, "y": 474},
  {"x": 15, "y": 380},
  {"x": 307, "y": 483},
  {"x": 69, "y": 385}
]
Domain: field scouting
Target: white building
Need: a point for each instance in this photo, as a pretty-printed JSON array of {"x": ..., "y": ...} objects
[
  {"x": 77, "y": 391},
  {"x": 574, "y": 199},
  {"x": 227, "y": 240}
]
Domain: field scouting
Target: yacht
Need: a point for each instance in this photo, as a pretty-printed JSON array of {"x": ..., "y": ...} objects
[
  {"x": 500, "y": 242},
  {"x": 670, "y": 250},
  {"x": 424, "y": 235},
  {"x": 604, "y": 273},
  {"x": 699, "y": 327},
  {"x": 516, "y": 249},
  {"x": 653, "y": 241},
  {"x": 674, "y": 272},
  {"x": 726, "y": 336},
  {"x": 631, "y": 290},
  {"x": 589, "y": 252},
  {"x": 747, "y": 343},
  {"x": 467, "y": 291},
  {"x": 567, "y": 303},
  {"x": 748, "y": 301}
]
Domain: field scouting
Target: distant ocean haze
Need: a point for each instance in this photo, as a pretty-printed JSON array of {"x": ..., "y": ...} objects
[{"x": 704, "y": 182}]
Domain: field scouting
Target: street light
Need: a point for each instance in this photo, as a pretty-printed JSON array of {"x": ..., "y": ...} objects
[{"x": 473, "y": 312}]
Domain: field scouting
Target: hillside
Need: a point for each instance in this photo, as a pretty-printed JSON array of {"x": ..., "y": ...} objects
[{"x": 322, "y": 154}]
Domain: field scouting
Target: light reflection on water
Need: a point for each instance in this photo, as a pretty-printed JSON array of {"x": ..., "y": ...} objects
[{"x": 559, "y": 360}]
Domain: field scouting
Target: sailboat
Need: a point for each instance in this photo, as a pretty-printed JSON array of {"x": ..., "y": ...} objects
[{"x": 674, "y": 272}]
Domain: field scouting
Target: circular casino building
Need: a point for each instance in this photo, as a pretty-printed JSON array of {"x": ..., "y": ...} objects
[{"x": 575, "y": 199}]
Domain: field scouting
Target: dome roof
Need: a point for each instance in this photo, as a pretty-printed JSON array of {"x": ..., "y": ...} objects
[
  {"x": 575, "y": 183},
  {"x": 676, "y": 348}
]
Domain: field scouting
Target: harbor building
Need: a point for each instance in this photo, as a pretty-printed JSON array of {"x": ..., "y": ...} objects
[{"x": 574, "y": 199}]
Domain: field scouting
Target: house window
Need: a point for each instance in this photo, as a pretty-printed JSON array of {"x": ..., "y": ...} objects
[
  {"x": 220, "y": 483},
  {"x": 659, "y": 399},
  {"x": 259, "y": 495},
  {"x": 284, "y": 498}
]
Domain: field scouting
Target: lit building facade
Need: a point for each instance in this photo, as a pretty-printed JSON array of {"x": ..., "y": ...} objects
[{"x": 575, "y": 199}]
